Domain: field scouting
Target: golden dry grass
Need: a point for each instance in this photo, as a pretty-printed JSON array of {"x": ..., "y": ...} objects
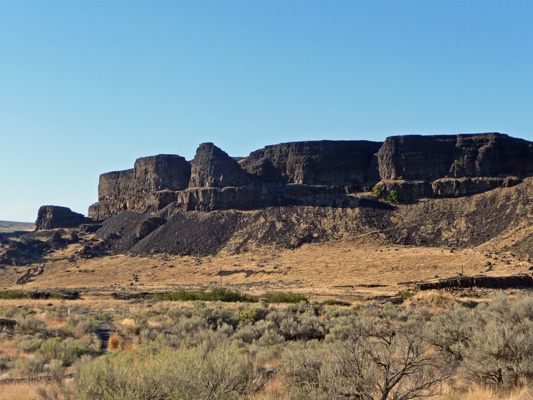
[
  {"x": 115, "y": 342},
  {"x": 9, "y": 350},
  {"x": 23, "y": 391},
  {"x": 348, "y": 269},
  {"x": 485, "y": 393},
  {"x": 434, "y": 300}
]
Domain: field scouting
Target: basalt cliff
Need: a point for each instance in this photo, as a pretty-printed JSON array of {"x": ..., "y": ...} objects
[
  {"x": 448, "y": 190},
  {"x": 317, "y": 173}
]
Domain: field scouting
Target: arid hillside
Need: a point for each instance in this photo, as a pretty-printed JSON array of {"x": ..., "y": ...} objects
[
  {"x": 372, "y": 249},
  {"x": 10, "y": 226}
]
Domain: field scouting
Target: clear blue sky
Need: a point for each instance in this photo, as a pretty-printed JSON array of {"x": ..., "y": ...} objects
[{"x": 87, "y": 87}]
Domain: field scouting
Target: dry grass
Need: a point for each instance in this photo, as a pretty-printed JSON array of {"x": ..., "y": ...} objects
[
  {"x": 9, "y": 350},
  {"x": 484, "y": 393},
  {"x": 128, "y": 322},
  {"x": 335, "y": 269},
  {"x": 24, "y": 391},
  {"x": 434, "y": 300},
  {"x": 273, "y": 390},
  {"x": 115, "y": 343}
]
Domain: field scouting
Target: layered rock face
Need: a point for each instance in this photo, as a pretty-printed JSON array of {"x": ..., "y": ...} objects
[
  {"x": 116, "y": 185},
  {"x": 212, "y": 167},
  {"x": 213, "y": 180},
  {"x": 51, "y": 217},
  {"x": 161, "y": 172},
  {"x": 147, "y": 187},
  {"x": 150, "y": 174},
  {"x": 316, "y": 163},
  {"x": 447, "y": 166},
  {"x": 433, "y": 157},
  {"x": 324, "y": 173}
]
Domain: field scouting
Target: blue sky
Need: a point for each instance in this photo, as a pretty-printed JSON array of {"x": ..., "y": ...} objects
[{"x": 87, "y": 87}]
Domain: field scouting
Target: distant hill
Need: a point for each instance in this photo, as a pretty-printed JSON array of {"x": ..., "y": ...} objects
[{"x": 10, "y": 226}]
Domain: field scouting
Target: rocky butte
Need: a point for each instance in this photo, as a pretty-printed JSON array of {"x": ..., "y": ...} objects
[
  {"x": 289, "y": 194},
  {"x": 322, "y": 173}
]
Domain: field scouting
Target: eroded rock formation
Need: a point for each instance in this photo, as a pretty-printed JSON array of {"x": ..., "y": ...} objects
[
  {"x": 51, "y": 217},
  {"x": 323, "y": 173},
  {"x": 316, "y": 163},
  {"x": 455, "y": 156},
  {"x": 212, "y": 167}
]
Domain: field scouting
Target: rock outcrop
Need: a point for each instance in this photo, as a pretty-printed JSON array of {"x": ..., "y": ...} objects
[
  {"x": 429, "y": 158},
  {"x": 162, "y": 172},
  {"x": 151, "y": 174},
  {"x": 52, "y": 217},
  {"x": 409, "y": 191},
  {"x": 480, "y": 281},
  {"x": 318, "y": 173},
  {"x": 212, "y": 167},
  {"x": 116, "y": 185},
  {"x": 316, "y": 163}
]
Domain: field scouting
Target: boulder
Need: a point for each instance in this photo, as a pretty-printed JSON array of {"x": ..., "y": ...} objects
[
  {"x": 51, "y": 217},
  {"x": 57, "y": 241},
  {"x": 212, "y": 167}
]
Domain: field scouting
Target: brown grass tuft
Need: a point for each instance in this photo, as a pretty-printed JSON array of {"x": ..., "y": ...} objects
[
  {"x": 115, "y": 342},
  {"x": 128, "y": 322},
  {"x": 22, "y": 391},
  {"x": 485, "y": 393},
  {"x": 434, "y": 300}
]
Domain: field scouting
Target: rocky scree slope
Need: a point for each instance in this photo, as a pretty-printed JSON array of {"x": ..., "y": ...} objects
[{"x": 498, "y": 219}]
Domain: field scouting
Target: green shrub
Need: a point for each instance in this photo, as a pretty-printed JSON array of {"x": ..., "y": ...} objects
[
  {"x": 216, "y": 294},
  {"x": 284, "y": 297},
  {"x": 103, "y": 317},
  {"x": 28, "y": 344},
  {"x": 406, "y": 294},
  {"x": 13, "y": 295},
  {"x": 378, "y": 192},
  {"x": 394, "y": 197},
  {"x": 252, "y": 315},
  {"x": 194, "y": 373},
  {"x": 381, "y": 360},
  {"x": 64, "y": 350},
  {"x": 30, "y": 324},
  {"x": 29, "y": 366},
  {"x": 78, "y": 325}
]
